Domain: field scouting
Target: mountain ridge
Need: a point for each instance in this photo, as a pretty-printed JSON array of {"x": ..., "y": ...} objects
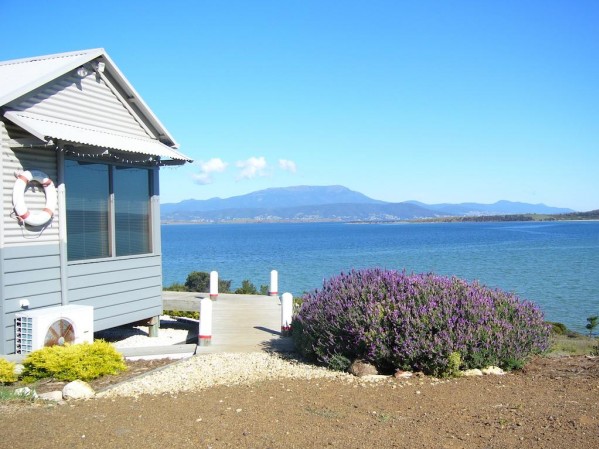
[{"x": 330, "y": 203}]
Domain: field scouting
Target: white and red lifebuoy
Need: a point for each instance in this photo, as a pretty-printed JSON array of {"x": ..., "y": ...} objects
[{"x": 33, "y": 218}]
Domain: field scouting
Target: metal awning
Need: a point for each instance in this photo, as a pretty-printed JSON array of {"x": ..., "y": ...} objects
[{"x": 47, "y": 128}]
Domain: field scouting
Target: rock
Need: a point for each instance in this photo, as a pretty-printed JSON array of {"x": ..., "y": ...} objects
[
  {"x": 472, "y": 372},
  {"x": 493, "y": 370},
  {"x": 399, "y": 374},
  {"x": 360, "y": 368},
  {"x": 26, "y": 392},
  {"x": 78, "y": 390},
  {"x": 373, "y": 377},
  {"x": 55, "y": 396},
  {"x": 19, "y": 369}
]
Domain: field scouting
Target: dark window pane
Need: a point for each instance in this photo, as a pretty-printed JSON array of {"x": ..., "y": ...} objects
[
  {"x": 132, "y": 210},
  {"x": 87, "y": 210}
]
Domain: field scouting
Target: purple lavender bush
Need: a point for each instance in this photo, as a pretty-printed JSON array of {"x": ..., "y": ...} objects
[{"x": 405, "y": 321}]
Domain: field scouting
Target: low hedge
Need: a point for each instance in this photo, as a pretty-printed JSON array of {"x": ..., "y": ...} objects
[
  {"x": 420, "y": 322},
  {"x": 86, "y": 361},
  {"x": 7, "y": 372}
]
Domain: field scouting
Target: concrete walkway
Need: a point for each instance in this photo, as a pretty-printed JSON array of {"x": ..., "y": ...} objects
[{"x": 240, "y": 323}]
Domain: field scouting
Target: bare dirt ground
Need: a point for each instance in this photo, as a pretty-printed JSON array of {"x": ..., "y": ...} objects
[{"x": 552, "y": 403}]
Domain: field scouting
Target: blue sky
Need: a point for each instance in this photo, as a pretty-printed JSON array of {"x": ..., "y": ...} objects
[{"x": 436, "y": 101}]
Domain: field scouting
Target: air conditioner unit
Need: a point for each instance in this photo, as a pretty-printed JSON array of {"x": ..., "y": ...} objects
[{"x": 53, "y": 326}]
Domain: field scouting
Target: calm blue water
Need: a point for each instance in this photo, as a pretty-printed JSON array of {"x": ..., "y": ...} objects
[{"x": 556, "y": 265}]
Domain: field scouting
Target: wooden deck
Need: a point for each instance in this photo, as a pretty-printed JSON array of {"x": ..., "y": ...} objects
[{"x": 240, "y": 323}]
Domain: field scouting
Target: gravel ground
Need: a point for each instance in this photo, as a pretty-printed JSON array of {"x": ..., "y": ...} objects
[
  {"x": 204, "y": 371},
  {"x": 171, "y": 332},
  {"x": 553, "y": 403},
  {"x": 201, "y": 371}
]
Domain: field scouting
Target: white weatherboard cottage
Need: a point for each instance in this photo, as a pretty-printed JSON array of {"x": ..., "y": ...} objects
[{"x": 80, "y": 223}]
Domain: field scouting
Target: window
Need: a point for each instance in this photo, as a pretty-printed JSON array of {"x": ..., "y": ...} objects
[
  {"x": 108, "y": 210},
  {"x": 87, "y": 190},
  {"x": 132, "y": 211}
]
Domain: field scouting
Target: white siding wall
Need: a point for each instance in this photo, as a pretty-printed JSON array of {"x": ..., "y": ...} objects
[
  {"x": 88, "y": 101},
  {"x": 122, "y": 290},
  {"x": 17, "y": 160},
  {"x": 29, "y": 257},
  {"x": 3, "y": 147}
]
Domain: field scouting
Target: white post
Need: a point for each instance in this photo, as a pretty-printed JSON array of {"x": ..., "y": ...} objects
[
  {"x": 274, "y": 283},
  {"x": 286, "y": 313},
  {"x": 205, "y": 331},
  {"x": 213, "y": 285}
]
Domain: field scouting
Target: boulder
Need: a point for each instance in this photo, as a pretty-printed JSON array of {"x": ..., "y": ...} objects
[
  {"x": 493, "y": 370},
  {"x": 373, "y": 377},
  {"x": 19, "y": 369},
  {"x": 78, "y": 390},
  {"x": 26, "y": 392},
  {"x": 360, "y": 368},
  {"x": 399, "y": 374},
  {"x": 55, "y": 396},
  {"x": 472, "y": 372}
]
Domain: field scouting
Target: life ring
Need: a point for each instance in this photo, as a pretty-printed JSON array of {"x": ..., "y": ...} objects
[{"x": 33, "y": 218}]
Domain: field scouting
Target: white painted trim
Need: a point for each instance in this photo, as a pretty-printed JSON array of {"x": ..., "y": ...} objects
[{"x": 62, "y": 230}]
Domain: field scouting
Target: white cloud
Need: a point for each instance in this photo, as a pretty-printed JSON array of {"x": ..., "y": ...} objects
[
  {"x": 287, "y": 165},
  {"x": 251, "y": 167},
  {"x": 202, "y": 178},
  {"x": 214, "y": 165}
]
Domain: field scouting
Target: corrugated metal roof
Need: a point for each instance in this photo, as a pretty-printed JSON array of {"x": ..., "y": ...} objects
[
  {"x": 21, "y": 76},
  {"x": 45, "y": 128}
]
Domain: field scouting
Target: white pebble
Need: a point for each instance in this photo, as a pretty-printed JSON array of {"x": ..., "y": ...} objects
[{"x": 203, "y": 371}]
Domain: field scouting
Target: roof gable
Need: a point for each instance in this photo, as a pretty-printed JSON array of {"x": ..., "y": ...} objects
[
  {"x": 21, "y": 77},
  {"x": 82, "y": 97},
  {"x": 83, "y": 100}
]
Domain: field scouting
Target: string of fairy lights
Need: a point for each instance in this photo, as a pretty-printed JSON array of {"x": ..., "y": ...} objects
[{"x": 106, "y": 155}]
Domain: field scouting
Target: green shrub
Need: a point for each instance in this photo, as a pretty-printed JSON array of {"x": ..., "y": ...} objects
[
  {"x": 454, "y": 360},
  {"x": 224, "y": 286},
  {"x": 176, "y": 287},
  {"x": 558, "y": 328},
  {"x": 247, "y": 288},
  {"x": 339, "y": 362},
  {"x": 592, "y": 323},
  {"x": 71, "y": 362},
  {"x": 416, "y": 322},
  {"x": 7, "y": 372},
  {"x": 199, "y": 281},
  {"x": 181, "y": 313}
]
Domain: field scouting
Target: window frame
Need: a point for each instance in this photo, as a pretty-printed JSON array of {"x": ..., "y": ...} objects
[{"x": 152, "y": 190}]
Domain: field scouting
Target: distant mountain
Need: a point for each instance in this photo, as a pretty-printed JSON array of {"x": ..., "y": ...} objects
[
  {"x": 502, "y": 207},
  {"x": 328, "y": 203},
  {"x": 274, "y": 198}
]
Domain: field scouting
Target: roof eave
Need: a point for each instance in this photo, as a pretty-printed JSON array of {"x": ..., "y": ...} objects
[{"x": 132, "y": 96}]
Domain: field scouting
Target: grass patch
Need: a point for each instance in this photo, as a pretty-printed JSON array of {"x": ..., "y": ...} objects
[
  {"x": 573, "y": 345},
  {"x": 182, "y": 313},
  {"x": 7, "y": 394}
]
